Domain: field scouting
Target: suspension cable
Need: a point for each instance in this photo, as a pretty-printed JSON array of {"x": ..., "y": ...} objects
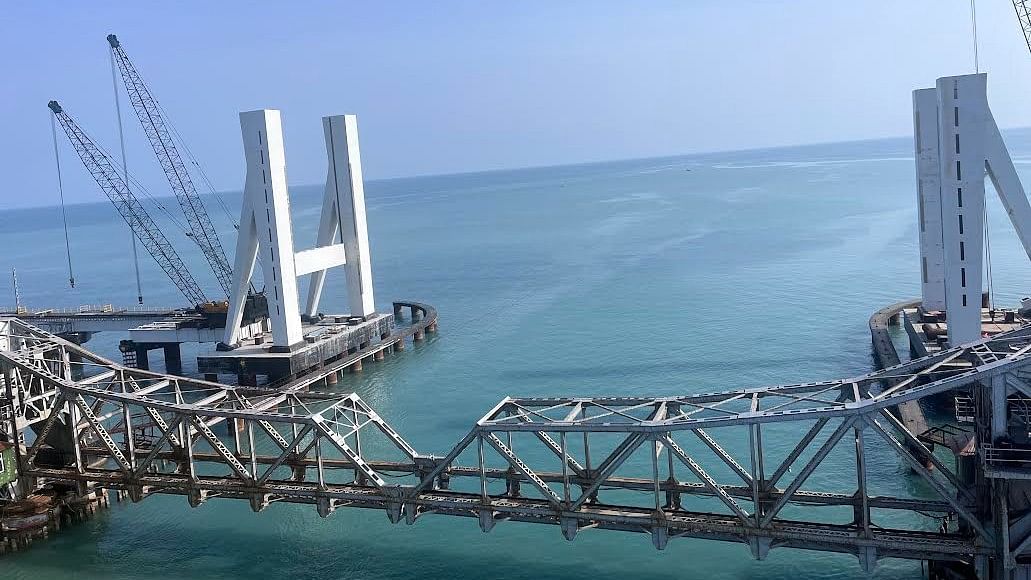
[
  {"x": 125, "y": 172},
  {"x": 60, "y": 191}
]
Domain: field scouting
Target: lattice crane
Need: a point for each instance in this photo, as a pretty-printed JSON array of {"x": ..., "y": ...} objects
[
  {"x": 106, "y": 175},
  {"x": 1024, "y": 18},
  {"x": 161, "y": 140}
]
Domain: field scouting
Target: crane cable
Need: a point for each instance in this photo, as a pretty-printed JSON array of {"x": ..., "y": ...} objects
[
  {"x": 181, "y": 142},
  {"x": 200, "y": 170},
  {"x": 125, "y": 171},
  {"x": 60, "y": 191},
  {"x": 987, "y": 231},
  {"x": 988, "y": 257}
]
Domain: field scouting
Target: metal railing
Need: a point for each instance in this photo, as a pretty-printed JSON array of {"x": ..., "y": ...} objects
[
  {"x": 964, "y": 409},
  {"x": 1006, "y": 456},
  {"x": 91, "y": 309}
]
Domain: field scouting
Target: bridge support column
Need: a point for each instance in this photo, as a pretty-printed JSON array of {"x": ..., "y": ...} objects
[
  {"x": 325, "y": 506},
  {"x": 868, "y": 558},
  {"x": 343, "y": 215},
  {"x": 399, "y": 345},
  {"x": 660, "y": 535},
  {"x": 569, "y": 528},
  {"x": 487, "y": 520},
  {"x": 142, "y": 356},
  {"x": 760, "y": 547},
  {"x": 999, "y": 412},
  {"x": 173, "y": 358}
]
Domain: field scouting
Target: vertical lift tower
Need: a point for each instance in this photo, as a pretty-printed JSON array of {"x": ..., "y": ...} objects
[
  {"x": 266, "y": 234},
  {"x": 957, "y": 141}
]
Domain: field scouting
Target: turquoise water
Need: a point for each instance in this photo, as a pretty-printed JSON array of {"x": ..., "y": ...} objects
[{"x": 658, "y": 276}]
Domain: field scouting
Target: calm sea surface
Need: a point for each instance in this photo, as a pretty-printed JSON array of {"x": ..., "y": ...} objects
[{"x": 658, "y": 276}]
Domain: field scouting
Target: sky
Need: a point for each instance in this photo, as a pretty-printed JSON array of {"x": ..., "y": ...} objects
[{"x": 456, "y": 86}]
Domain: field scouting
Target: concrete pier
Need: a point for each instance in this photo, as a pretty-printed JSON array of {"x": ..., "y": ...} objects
[
  {"x": 142, "y": 356},
  {"x": 326, "y": 340},
  {"x": 36, "y": 517},
  {"x": 330, "y": 342},
  {"x": 173, "y": 358}
]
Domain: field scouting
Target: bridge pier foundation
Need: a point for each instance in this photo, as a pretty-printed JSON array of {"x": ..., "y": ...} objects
[
  {"x": 142, "y": 356},
  {"x": 173, "y": 358},
  {"x": 760, "y": 547}
]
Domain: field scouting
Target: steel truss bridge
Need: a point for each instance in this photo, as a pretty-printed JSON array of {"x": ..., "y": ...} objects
[{"x": 712, "y": 465}]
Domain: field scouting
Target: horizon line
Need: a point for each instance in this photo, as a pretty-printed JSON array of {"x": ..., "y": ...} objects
[{"x": 535, "y": 167}]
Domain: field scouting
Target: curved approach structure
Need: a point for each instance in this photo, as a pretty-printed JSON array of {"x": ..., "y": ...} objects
[{"x": 668, "y": 466}]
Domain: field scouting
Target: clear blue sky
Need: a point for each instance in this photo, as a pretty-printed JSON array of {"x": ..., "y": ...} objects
[{"x": 443, "y": 87}]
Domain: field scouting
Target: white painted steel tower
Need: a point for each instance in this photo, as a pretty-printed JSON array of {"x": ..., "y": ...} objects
[
  {"x": 266, "y": 230},
  {"x": 957, "y": 141}
]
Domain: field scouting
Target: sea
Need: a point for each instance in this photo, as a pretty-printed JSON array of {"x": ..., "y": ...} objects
[{"x": 660, "y": 276}]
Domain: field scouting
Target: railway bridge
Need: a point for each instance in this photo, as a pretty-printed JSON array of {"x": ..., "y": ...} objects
[{"x": 689, "y": 466}]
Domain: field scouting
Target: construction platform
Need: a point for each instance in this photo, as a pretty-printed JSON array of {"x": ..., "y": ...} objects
[
  {"x": 330, "y": 342},
  {"x": 928, "y": 330}
]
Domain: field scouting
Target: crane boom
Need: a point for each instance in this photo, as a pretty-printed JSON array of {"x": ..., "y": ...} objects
[
  {"x": 117, "y": 190},
  {"x": 1024, "y": 17},
  {"x": 149, "y": 113}
]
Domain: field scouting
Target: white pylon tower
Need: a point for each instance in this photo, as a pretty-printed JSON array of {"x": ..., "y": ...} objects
[
  {"x": 343, "y": 213},
  {"x": 266, "y": 230},
  {"x": 957, "y": 142}
]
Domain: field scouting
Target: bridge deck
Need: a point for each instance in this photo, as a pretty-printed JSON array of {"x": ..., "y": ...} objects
[{"x": 658, "y": 465}]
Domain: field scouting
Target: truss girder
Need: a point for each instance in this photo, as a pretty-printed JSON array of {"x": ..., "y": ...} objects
[{"x": 301, "y": 447}]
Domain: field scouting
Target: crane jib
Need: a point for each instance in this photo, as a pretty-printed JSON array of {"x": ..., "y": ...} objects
[
  {"x": 105, "y": 173},
  {"x": 160, "y": 135}
]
